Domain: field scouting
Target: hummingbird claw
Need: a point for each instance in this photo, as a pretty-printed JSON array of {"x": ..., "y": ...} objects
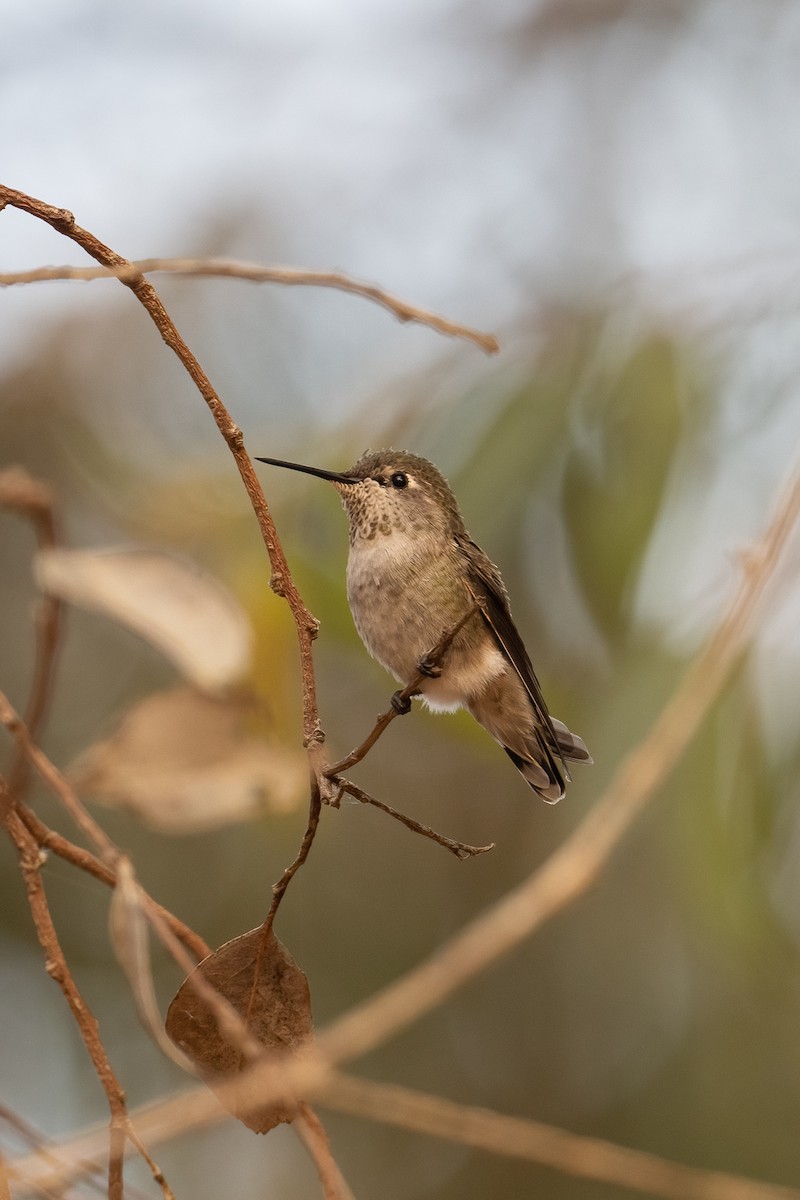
[
  {"x": 400, "y": 703},
  {"x": 331, "y": 790},
  {"x": 429, "y": 667}
]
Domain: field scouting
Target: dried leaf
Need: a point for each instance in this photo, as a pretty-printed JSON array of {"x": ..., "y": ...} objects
[
  {"x": 185, "y": 614},
  {"x": 181, "y": 761},
  {"x": 130, "y": 937},
  {"x": 257, "y": 975}
]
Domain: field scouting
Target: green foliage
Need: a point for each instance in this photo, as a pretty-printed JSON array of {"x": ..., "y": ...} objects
[{"x": 614, "y": 480}]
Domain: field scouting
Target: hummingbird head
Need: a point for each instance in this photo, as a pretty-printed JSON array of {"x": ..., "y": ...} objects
[{"x": 391, "y": 490}]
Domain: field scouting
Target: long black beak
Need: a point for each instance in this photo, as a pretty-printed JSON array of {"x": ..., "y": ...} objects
[{"x": 333, "y": 476}]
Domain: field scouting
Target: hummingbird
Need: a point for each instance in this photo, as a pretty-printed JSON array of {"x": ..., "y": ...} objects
[{"x": 414, "y": 573}]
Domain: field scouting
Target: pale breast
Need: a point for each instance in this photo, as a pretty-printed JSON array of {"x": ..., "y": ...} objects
[{"x": 404, "y": 598}]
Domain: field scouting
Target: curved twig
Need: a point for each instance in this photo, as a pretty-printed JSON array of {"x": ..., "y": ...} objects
[{"x": 229, "y": 268}]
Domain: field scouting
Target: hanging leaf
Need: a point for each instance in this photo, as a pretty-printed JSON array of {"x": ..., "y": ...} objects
[
  {"x": 184, "y": 613},
  {"x": 258, "y": 977},
  {"x": 181, "y": 761}
]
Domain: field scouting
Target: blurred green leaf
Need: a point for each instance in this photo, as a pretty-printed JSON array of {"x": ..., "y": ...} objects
[{"x": 614, "y": 484}]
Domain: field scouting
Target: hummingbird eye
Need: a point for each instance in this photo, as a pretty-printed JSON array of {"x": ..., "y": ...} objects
[{"x": 399, "y": 479}]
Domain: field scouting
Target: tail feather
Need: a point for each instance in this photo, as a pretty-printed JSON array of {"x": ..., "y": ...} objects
[
  {"x": 542, "y": 770},
  {"x": 569, "y": 744},
  {"x": 544, "y": 777}
]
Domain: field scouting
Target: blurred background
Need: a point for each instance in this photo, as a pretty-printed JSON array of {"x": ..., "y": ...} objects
[{"x": 613, "y": 187}]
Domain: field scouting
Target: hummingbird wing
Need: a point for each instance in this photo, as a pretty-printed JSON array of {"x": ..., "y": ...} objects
[{"x": 487, "y": 587}]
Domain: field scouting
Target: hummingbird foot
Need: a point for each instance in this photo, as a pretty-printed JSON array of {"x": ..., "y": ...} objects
[
  {"x": 401, "y": 704},
  {"x": 331, "y": 790},
  {"x": 429, "y": 667}
]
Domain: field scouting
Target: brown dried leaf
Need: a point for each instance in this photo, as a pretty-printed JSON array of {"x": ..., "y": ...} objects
[
  {"x": 189, "y": 616},
  {"x": 277, "y": 1011},
  {"x": 181, "y": 761}
]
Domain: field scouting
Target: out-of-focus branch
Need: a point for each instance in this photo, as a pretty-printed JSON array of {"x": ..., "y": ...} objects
[
  {"x": 257, "y": 273},
  {"x": 514, "y": 1137},
  {"x": 547, "y": 1145}
]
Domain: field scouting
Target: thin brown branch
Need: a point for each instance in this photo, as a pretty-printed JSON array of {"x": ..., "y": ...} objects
[
  {"x": 56, "y": 782},
  {"x": 155, "y": 1169},
  {"x": 120, "y": 1127},
  {"x": 21, "y": 493},
  {"x": 56, "y": 965},
  {"x": 574, "y": 867},
  {"x": 462, "y": 850},
  {"x": 279, "y": 888},
  {"x": 257, "y": 273},
  {"x": 311, "y": 1132},
  {"x": 48, "y": 839}
]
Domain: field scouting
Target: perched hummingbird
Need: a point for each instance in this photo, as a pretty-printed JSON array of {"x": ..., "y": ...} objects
[{"x": 413, "y": 572}]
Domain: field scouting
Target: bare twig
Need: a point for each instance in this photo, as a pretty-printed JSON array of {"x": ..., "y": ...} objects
[
  {"x": 56, "y": 965},
  {"x": 312, "y": 1134},
  {"x": 257, "y": 273},
  {"x": 155, "y": 1169},
  {"x": 20, "y": 492},
  {"x": 279, "y": 888},
  {"x": 85, "y": 861},
  {"x": 56, "y": 781},
  {"x": 462, "y": 850}
]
